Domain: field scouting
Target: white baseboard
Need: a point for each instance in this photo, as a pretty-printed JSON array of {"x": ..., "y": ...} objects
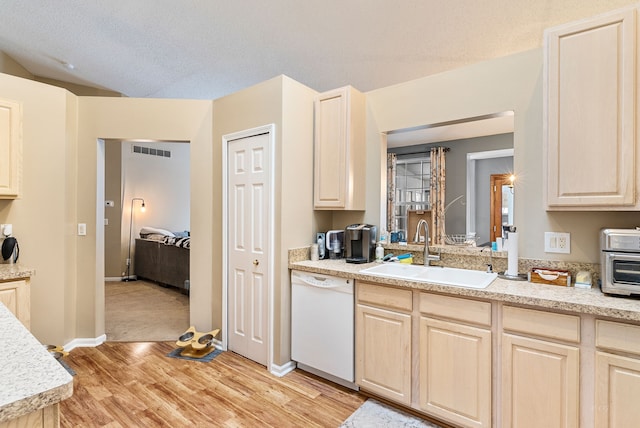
[
  {"x": 85, "y": 342},
  {"x": 283, "y": 369}
]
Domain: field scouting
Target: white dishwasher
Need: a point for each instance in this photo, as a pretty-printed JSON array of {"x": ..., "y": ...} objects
[{"x": 322, "y": 334}]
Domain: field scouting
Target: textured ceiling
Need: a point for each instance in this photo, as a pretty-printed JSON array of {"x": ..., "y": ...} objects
[{"x": 205, "y": 49}]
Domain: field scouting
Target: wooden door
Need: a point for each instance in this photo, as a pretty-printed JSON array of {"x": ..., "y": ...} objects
[
  {"x": 339, "y": 150},
  {"x": 15, "y": 295},
  {"x": 617, "y": 389},
  {"x": 540, "y": 383},
  {"x": 455, "y": 372},
  {"x": 247, "y": 245},
  {"x": 10, "y": 149},
  {"x": 383, "y": 352},
  {"x": 499, "y": 184},
  {"x": 591, "y": 102}
]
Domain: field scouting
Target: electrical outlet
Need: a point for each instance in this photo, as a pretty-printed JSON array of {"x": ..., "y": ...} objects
[{"x": 557, "y": 242}]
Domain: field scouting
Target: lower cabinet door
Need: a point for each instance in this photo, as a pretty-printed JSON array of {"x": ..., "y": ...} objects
[
  {"x": 15, "y": 295},
  {"x": 455, "y": 372},
  {"x": 617, "y": 391},
  {"x": 383, "y": 353},
  {"x": 540, "y": 383}
]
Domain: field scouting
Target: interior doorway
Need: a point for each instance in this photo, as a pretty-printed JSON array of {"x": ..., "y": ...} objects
[
  {"x": 480, "y": 167},
  {"x": 501, "y": 191},
  {"x": 156, "y": 173}
]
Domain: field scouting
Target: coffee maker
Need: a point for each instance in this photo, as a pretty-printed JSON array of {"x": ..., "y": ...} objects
[{"x": 360, "y": 243}]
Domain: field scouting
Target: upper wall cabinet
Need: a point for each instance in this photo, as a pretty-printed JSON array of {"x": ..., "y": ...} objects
[
  {"x": 339, "y": 142},
  {"x": 10, "y": 149},
  {"x": 591, "y": 142}
]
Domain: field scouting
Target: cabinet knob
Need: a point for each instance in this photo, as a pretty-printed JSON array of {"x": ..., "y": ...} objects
[{"x": 256, "y": 262}]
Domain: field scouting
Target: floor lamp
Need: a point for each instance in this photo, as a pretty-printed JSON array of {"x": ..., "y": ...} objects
[{"x": 142, "y": 208}]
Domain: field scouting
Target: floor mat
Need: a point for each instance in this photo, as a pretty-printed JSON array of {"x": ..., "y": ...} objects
[
  {"x": 176, "y": 354},
  {"x": 374, "y": 414}
]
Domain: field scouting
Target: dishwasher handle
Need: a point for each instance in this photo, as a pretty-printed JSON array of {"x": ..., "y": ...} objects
[{"x": 321, "y": 281}]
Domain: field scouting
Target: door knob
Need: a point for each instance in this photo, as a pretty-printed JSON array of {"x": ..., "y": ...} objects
[{"x": 256, "y": 262}]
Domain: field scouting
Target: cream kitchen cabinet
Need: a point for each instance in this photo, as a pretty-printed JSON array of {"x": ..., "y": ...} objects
[
  {"x": 47, "y": 417},
  {"x": 339, "y": 150},
  {"x": 617, "y": 376},
  {"x": 10, "y": 149},
  {"x": 540, "y": 373},
  {"x": 455, "y": 359},
  {"x": 591, "y": 142},
  {"x": 383, "y": 341},
  {"x": 16, "y": 296}
]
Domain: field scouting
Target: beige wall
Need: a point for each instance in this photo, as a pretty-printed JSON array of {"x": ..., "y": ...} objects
[
  {"x": 298, "y": 221},
  {"x": 43, "y": 217},
  {"x": 114, "y": 247},
  {"x": 288, "y": 105},
  {"x": 509, "y": 83},
  {"x": 61, "y": 133},
  {"x": 79, "y": 90},
  {"x": 127, "y": 118}
]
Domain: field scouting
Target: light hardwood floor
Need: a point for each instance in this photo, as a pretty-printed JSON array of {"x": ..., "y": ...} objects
[{"x": 136, "y": 385}]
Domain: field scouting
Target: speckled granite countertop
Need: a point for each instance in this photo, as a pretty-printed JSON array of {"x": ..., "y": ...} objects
[
  {"x": 589, "y": 301},
  {"x": 15, "y": 271},
  {"x": 30, "y": 378}
]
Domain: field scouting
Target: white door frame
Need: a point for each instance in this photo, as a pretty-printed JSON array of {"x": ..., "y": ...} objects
[
  {"x": 226, "y": 140},
  {"x": 471, "y": 181}
]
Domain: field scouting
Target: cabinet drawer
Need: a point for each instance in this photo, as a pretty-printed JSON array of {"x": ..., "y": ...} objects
[
  {"x": 543, "y": 324},
  {"x": 455, "y": 308},
  {"x": 618, "y": 336},
  {"x": 387, "y": 297}
]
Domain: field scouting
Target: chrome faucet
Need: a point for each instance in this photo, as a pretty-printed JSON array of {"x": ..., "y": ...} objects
[
  {"x": 426, "y": 257},
  {"x": 490, "y": 264},
  {"x": 416, "y": 237}
]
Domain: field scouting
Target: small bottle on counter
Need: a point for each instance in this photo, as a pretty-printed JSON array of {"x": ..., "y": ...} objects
[
  {"x": 379, "y": 252},
  {"x": 314, "y": 252}
]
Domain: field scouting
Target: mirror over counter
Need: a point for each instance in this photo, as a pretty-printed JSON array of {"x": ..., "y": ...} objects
[{"x": 478, "y": 161}]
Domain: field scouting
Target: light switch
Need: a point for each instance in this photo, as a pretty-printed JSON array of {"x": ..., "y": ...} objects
[
  {"x": 82, "y": 229},
  {"x": 557, "y": 242}
]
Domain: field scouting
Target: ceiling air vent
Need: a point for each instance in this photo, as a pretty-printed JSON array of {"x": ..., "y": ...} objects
[{"x": 152, "y": 152}]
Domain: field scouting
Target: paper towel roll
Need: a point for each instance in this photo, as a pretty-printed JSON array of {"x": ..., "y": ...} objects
[{"x": 512, "y": 254}]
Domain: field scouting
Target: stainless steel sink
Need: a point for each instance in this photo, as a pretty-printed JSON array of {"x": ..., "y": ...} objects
[{"x": 433, "y": 274}]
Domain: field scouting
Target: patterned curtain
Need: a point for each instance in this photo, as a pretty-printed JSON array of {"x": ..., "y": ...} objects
[
  {"x": 437, "y": 193},
  {"x": 391, "y": 191}
]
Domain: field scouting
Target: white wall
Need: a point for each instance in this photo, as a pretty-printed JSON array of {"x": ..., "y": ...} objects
[{"x": 163, "y": 183}]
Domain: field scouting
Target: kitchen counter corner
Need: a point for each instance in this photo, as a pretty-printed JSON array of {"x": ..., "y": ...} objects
[{"x": 30, "y": 378}]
